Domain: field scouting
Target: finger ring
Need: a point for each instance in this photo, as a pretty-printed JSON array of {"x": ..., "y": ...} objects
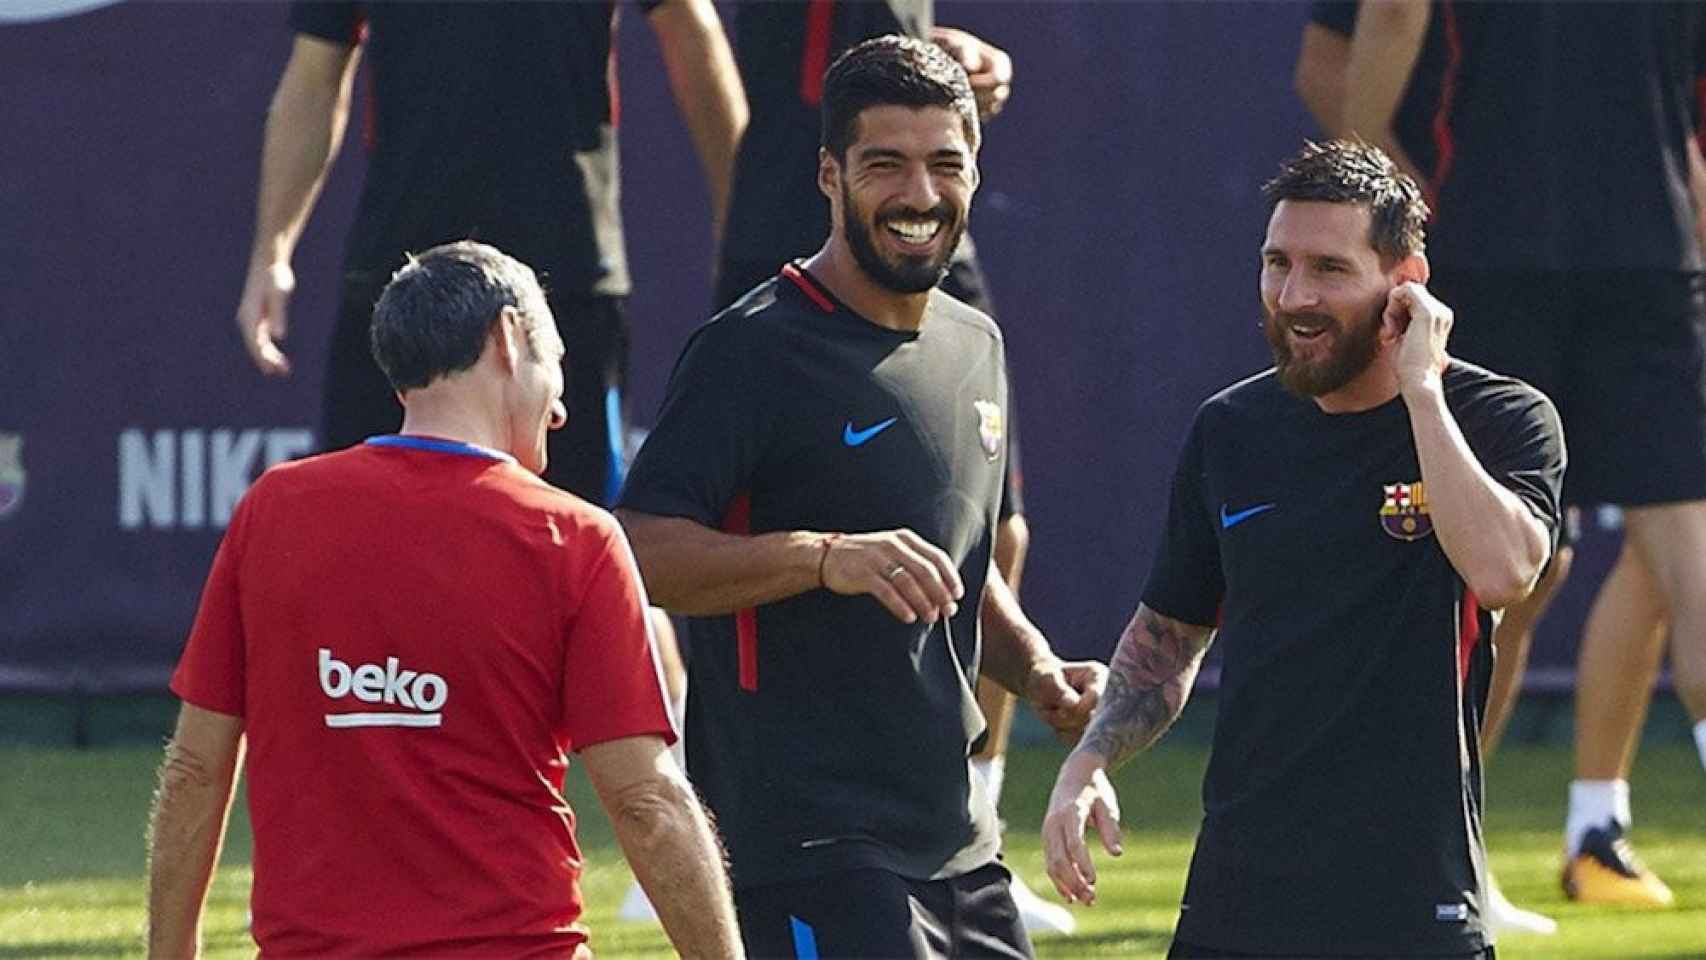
[{"x": 895, "y": 571}]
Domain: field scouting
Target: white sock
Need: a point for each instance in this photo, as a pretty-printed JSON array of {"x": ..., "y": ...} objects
[
  {"x": 1593, "y": 803},
  {"x": 992, "y": 770},
  {"x": 1700, "y": 740}
]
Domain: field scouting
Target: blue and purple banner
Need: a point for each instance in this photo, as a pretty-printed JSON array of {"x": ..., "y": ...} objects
[{"x": 1119, "y": 221}]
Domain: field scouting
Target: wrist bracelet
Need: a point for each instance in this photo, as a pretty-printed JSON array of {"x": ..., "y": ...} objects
[{"x": 828, "y": 541}]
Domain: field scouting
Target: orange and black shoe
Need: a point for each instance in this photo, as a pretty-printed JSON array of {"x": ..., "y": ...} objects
[{"x": 1606, "y": 870}]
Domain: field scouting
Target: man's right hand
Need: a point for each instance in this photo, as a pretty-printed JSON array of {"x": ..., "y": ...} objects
[
  {"x": 1082, "y": 796},
  {"x": 263, "y": 316},
  {"x": 910, "y": 576}
]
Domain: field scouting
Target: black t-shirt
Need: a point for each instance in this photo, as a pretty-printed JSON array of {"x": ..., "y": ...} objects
[
  {"x": 776, "y": 212},
  {"x": 1557, "y": 132},
  {"x": 1343, "y": 794},
  {"x": 823, "y": 733},
  {"x": 489, "y": 121}
]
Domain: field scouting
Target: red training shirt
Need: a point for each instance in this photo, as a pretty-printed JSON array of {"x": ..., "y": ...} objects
[{"x": 416, "y": 636}]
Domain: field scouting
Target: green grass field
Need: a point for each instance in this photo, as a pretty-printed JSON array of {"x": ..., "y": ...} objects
[{"x": 71, "y": 855}]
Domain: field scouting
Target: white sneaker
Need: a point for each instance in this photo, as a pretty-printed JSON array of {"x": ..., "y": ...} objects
[
  {"x": 1503, "y": 917},
  {"x": 1038, "y": 915},
  {"x": 636, "y": 907}
]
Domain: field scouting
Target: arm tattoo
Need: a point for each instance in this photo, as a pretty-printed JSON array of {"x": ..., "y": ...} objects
[{"x": 1148, "y": 681}]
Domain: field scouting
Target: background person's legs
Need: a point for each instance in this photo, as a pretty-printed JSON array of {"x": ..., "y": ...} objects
[{"x": 1622, "y": 643}]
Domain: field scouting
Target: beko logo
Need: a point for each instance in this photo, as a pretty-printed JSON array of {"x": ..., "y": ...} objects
[{"x": 390, "y": 684}]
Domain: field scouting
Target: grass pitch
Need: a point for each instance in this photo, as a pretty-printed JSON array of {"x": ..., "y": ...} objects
[{"x": 71, "y": 856}]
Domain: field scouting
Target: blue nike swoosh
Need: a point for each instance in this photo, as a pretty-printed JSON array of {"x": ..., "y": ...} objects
[
  {"x": 857, "y": 438},
  {"x": 1230, "y": 520}
]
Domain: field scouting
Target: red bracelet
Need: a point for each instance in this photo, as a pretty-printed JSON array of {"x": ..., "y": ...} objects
[{"x": 828, "y": 541}]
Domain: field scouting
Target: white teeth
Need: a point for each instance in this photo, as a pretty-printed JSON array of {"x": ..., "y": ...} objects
[{"x": 915, "y": 231}]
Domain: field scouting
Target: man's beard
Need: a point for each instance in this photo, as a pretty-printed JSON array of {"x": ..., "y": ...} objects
[
  {"x": 1353, "y": 348},
  {"x": 913, "y": 273}
]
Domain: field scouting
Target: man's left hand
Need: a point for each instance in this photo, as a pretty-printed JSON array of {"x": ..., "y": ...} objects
[
  {"x": 1066, "y": 694},
  {"x": 1422, "y": 325}
]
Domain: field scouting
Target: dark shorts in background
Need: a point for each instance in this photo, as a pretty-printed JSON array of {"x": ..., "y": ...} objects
[
  {"x": 1623, "y": 355},
  {"x": 877, "y": 915},
  {"x": 1185, "y": 951},
  {"x": 586, "y": 456}
]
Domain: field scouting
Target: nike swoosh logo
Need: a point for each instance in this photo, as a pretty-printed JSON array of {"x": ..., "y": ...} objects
[
  {"x": 858, "y": 438},
  {"x": 1230, "y": 520}
]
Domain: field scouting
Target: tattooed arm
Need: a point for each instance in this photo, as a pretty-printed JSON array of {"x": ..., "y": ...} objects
[
  {"x": 1148, "y": 681},
  {"x": 188, "y": 826}
]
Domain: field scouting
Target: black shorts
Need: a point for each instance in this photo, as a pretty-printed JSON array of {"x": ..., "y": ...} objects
[
  {"x": 878, "y": 914},
  {"x": 587, "y": 457},
  {"x": 1623, "y": 355},
  {"x": 1186, "y": 951}
]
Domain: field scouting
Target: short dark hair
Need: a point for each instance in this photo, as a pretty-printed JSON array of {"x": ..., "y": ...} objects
[
  {"x": 434, "y": 316},
  {"x": 892, "y": 71},
  {"x": 1354, "y": 171}
]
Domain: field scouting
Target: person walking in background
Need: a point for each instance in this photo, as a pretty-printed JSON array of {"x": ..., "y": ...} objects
[
  {"x": 491, "y": 121},
  {"x": 1570, "y": 205},
  {"x": 820, "y": 496},
  {"x": 1405, "y": 495},
  {"x": 411, "y": 636}
]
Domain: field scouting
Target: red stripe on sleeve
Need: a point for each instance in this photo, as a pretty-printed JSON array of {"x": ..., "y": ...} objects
[
  {"x": 1700, "y": 110},
  {"x": 369, "y": 118},
  {"x": 1468, "y": 632},
  {"x": 808, "y": 288},
  {"x": 814, "y": 60},
  {"x": 1445, "y": 148},
  {"x": 738, "y": 520}
]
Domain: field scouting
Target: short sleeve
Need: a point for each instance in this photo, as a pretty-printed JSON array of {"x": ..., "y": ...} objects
[
  {"x": 703, "y": 450},
  {"x": 612, "y": 683},
  {"x": 211, "y": 673},
  {"x": 1339, "y": 16},
  {"x": 1523, "y": 451},
  {"x": 1186, "y": 582},
  {"x": 336, "y": 22}
]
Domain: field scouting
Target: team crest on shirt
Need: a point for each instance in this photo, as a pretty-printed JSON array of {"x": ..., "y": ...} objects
[
  {"x": 11, "y": 472},
  {"x": 991, "y": 427},
  {"x": 1404, "y": 511}
]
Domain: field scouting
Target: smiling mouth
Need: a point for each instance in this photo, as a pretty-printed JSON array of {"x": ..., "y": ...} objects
[
  {"x": 914, "y": 233},
  {"x": 1306, "y": 331}
]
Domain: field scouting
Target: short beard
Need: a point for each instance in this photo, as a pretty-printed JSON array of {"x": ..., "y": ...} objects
[
  {"x": 1354, "y": 350},
  {"x": 914, "y": 274}
]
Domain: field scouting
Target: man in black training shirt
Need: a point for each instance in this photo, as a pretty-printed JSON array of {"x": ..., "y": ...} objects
[
  {"x": 1346, "y": 521},
  {"x": 1569, "y": 197},
  {"x": 777, "y": 214},
  {"x": 491, "y": 121},
  {"x": 820, "y": 495}
]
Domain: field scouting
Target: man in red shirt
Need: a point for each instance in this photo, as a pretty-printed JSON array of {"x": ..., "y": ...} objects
[{"x": 412, "y": 635}]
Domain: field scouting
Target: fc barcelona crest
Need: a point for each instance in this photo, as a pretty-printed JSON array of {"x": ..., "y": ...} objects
[
  {"x": 11, "y": 472},
  {"x": 991, "y": 427},
  {"x": 1404, "y": 512}
]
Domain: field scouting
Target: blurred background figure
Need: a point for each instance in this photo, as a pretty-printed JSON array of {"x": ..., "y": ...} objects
[
  {"x": 495, "y": 122},
  {"x": 1558, "y": 149}
]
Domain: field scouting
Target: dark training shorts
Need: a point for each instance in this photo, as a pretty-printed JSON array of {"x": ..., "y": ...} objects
[
  {"x": 586, "y": 457},
  {"x": 1185, "y": 951},
  {"x": 879, "y": 915},
  {"x": 1623, "y": 355}
]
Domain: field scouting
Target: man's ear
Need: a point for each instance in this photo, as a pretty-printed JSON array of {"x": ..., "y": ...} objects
[
  {"x": 828, "y": 175},
  {"x": 509, "y": 339},
  {"x": 1412, "y": 269}
]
